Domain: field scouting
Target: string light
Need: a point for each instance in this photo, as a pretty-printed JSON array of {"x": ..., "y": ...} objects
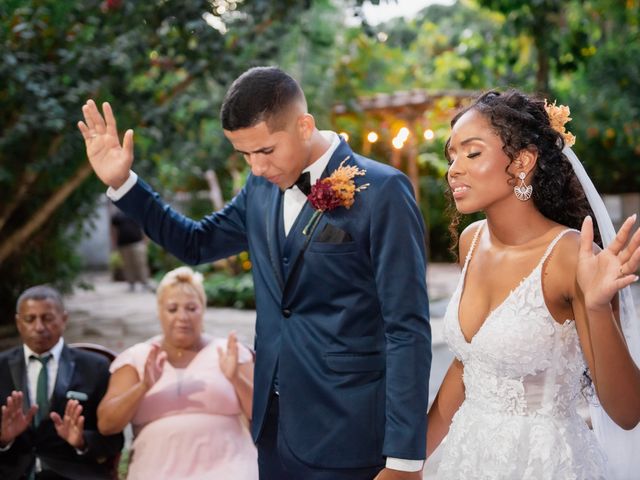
[
  {"x": 403, "y": 134},
  {"x": 372, "y": 137},
  {"x": 397, "y": 143}
]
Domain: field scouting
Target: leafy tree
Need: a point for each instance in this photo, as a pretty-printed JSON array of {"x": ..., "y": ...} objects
[
  {"x": 164, "y": 65},
  {"x": 584, "y": 53},
  {"x": 604, "y": 95}
]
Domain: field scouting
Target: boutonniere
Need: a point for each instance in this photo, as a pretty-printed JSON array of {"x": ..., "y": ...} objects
[{"x": 336, "y": 190}]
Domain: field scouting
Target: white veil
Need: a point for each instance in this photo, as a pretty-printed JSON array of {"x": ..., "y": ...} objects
[{"x": 622, "y": 447}]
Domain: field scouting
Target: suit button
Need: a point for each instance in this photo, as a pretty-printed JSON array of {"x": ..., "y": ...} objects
[{"x": 286, "y": 312}]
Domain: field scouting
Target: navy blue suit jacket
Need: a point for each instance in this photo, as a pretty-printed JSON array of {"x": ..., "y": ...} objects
[
  {"x": 79, "y": 371},
  {"x": 345, "y": 324}
]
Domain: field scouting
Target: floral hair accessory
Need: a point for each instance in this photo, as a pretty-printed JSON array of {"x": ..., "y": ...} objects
[
  {"x": 336, "y": 190},
  {"x": 558, "y": 116}
]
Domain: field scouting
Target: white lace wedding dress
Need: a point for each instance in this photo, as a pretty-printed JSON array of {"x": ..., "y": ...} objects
[{"x": 522, "y": 378}]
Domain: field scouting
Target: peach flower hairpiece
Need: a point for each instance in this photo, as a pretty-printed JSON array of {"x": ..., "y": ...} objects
[{"x": 558, "y": 116}]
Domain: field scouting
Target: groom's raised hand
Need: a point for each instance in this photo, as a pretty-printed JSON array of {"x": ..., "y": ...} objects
[{"x": 110, "y": 160}]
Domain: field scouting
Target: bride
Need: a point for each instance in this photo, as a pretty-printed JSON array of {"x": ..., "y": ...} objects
[{"x": 534, "y": 322}]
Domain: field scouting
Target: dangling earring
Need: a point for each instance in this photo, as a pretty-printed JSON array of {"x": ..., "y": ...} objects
[{"x": 523, "y": 192}]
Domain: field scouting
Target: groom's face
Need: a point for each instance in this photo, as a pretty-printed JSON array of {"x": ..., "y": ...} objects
[{"x": 279, "y": 156}]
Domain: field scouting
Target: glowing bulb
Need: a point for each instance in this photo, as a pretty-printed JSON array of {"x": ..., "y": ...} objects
[
  {"x": 403, "y": 134},
  {"x": 397, "y": 143},
  {"x": 372, "y": 137},
  {"x": 345, "y": 135},
  {"x": 428, "y": 134}
]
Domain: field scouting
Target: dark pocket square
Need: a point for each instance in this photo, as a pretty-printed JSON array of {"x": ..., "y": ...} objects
[{"x": 331, "y": 234}]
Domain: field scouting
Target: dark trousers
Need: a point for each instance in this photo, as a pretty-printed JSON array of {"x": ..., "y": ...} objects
[{"x": 277, "y": 462}]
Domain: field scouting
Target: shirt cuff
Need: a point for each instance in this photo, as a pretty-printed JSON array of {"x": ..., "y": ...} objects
[
  {"x": 403, "y": 465},
  {"x": 7, "y": 446},
  {"x": 116, "y": 194}
]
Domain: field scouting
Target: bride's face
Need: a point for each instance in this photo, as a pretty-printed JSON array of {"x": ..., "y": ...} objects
[{"x": 477, "y": 173}]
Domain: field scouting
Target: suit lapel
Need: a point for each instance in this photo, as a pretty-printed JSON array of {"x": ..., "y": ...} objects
[
  {"x": 296, "y": 241},
  {"x": 66, "y": 368},
  {"x": 19, "y": 375},
  {"x": 299, "y": 241},
  {"x": 272, "y": 237}
]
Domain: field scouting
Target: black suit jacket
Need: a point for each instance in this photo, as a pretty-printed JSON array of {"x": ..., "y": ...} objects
[{"x": 80, "y": 371}]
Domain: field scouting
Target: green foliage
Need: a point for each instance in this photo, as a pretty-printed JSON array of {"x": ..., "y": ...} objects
[
  {"x": 606, "y": 120},
  {"x": 163, "y": 68},
  {"x": 460, "y": 46},
  {"x": 584, "y": 53},
  {"x": 160, "y": 261},
  {"x": 604, "y": 96},
  {"x": 224, "y": 290}
]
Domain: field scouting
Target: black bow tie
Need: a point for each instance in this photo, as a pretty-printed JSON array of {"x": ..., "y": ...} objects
[{"x": 303, "y": 183}]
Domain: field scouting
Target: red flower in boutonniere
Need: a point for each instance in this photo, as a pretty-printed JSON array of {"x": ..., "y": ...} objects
[{"x": 337, "y": 190}]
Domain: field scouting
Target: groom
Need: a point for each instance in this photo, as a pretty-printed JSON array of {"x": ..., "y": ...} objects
[{"x": 343, "y": 342}]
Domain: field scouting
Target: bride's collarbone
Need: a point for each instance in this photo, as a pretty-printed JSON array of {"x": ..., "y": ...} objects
[{"x": 490, "y": 282}]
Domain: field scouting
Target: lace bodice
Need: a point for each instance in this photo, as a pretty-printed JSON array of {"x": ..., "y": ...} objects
[
  {"x": 523, "y": 379},
  {"x": 521, "y": 360}
]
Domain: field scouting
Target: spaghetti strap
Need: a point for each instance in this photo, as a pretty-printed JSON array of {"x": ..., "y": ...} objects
[
  {"x": 554, "y": 242},
  {"x": 473, "y": 245}
]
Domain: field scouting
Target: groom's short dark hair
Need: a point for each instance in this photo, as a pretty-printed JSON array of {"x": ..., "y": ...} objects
[{"x": 260, "y": 94}]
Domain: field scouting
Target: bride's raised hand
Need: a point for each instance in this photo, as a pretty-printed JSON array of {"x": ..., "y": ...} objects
[
  {"x": 601, "y": 275},
  {"x": 109, "y": 159}
]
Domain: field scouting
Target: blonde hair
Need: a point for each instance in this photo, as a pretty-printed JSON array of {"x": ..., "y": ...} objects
[{"x": 184, "y": 277}]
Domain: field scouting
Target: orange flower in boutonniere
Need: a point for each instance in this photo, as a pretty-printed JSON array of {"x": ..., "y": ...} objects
[{"x": 336, "y": 190}]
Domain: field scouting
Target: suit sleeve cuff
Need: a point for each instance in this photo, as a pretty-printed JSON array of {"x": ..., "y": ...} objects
[
  {"x": 116, "y": 194},
  {"x": 6, "y": 447},
  {"x": 403, "y": 465}
]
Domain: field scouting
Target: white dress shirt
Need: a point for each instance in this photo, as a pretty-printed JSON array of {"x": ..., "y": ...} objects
[
  {"x": 33, "y": 369},
  {"x": 294, "y": 199}
]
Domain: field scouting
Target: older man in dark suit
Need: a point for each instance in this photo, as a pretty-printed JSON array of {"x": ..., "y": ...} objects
[{"x": 48, "y": 424}]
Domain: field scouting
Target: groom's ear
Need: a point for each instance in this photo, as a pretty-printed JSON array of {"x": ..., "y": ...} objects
[{"x": 306, "y": 126}]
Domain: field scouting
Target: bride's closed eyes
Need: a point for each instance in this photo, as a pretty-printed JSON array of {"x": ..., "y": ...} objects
[{"x": 451, "y": 158}]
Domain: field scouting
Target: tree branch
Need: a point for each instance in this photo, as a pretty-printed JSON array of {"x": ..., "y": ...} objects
[
  {"x": 27, "y": 179},
  {"x": 20, "y": 236}
]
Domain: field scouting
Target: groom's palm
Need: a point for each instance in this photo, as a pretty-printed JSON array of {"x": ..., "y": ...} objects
[{"x": 110, "y": 160}]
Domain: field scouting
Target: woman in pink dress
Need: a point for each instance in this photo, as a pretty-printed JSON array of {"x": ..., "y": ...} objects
[{"x": 184, "y": 393}]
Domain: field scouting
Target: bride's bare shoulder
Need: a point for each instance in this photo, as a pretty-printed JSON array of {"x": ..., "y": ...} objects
[
  {"x": 564, "y": 257},
  {"x": 466, "y": 238}
]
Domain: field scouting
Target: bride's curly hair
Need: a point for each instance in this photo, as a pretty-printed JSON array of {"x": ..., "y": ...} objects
[{"x": 522, "y": 122}]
